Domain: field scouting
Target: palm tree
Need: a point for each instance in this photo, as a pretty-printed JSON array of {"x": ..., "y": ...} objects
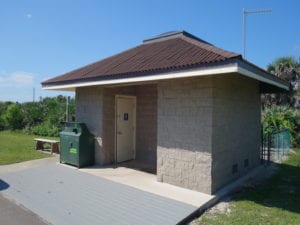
[{"x": 287, "y": 68}]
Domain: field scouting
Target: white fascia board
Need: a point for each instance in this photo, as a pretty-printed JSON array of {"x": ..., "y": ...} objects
[
  {"x": 224, "y": 69},
  {"x": 256, "y": 76},
  {"x": 163, "y": 76}
]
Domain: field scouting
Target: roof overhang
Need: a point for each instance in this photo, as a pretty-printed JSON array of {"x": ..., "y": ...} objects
[{"x": 241, "y": 67}]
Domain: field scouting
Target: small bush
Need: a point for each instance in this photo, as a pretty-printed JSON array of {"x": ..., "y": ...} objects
[{"x": 46, "y": 129}]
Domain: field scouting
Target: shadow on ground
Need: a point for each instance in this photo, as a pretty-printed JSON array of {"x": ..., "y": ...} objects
[
  {"x": 131, "y": 164},
  {"x": 282, "y": 190},
  {"x": 3, "y": 185}
]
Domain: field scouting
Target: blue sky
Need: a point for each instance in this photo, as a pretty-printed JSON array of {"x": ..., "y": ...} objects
[{"x": 42, "y": 39}]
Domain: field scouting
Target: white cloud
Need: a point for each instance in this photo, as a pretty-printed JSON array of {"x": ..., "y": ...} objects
[
  {"x": 29, "y": 16},
  {"x": 16, "y": 79},
  {"x": 296, "y": 47}
]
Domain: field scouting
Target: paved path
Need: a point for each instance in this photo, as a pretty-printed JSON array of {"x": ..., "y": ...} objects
[
  {"x": 148, "y": 182},
  {"x": 63, "y": 195},
  {"x": 15, "y": 167},
  {"x": 14, "y": 214}
]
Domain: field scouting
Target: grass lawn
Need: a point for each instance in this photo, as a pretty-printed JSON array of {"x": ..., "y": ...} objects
[
  {"x": 18, "y": 147},
  {"x": 277, "y": 202}
]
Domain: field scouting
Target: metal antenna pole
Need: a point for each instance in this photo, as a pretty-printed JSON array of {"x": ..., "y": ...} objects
[
  {"x": 245, "y": 13},
  {"x": 33, "y": 94},
  {"x": 244, "y": 34},
  {"x": 67, "y": 109}
]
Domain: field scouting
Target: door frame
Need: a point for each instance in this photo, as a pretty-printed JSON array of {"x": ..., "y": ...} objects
[{"x": 134, "y": 125}]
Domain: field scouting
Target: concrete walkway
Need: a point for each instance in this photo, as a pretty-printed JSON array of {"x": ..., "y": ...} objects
[
  {"x": 13, "y": 214},
  {"x": 148, "y": 182},
  {"x": 61, "y": 195},
  {"x": 28, "y": 164}
]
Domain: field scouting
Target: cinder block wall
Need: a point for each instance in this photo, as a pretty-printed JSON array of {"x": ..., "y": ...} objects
[
  {"x": 184, "y": 133},
  {"x": 146, "y": 124},
  {"x": 236, "y": 123},
  {"x": 109, "y": 119},
  {"x": 95, "y": 106},
  {"x": 146, "y": 108},
  {"x": 205, "y": 126},
  {"x": 89, "y": 110}
]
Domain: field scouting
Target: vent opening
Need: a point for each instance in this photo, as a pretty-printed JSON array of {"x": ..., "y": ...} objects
[
  {"x": 234, "y": 168},
  {"x": 246, "y": 163}
]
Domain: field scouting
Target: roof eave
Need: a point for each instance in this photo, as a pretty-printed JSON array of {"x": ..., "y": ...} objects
[
  {"x": 235, "y": 66},
  {"x": 135, "y": 79},
  {"x": 250, "y": 70}
]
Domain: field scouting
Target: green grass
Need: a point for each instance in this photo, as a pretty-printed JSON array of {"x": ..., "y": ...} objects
[
  {"x": 277, "y": 202},
  {"x": 18, "y": 147}
]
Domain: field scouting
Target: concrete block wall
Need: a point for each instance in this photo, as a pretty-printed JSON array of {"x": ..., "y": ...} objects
[
  {"x": 236, "y": 127},
  {"x": 146, "y": 108},
  {"x": 89, "y": 110},
  {"x": 205, "y": 126},
  {"x": 184, "y": 133},
  {"x": 196, "y": 129},
  {"x": 95, "y": 106},
  {"x": 146, "y": 124},
  {"x": 109, "y": 119}
]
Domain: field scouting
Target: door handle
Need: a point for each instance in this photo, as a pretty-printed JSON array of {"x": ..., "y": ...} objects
[{"x": 119, "y": 132}]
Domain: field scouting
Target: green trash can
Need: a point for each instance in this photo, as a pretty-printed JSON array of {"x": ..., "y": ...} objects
[{"x": 76, "y": 145}]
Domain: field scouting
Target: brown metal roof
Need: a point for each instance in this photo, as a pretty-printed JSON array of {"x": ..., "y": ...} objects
[{"x": 176, "y": 50}]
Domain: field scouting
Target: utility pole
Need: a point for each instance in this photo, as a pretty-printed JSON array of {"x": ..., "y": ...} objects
[
  {"x": 33, "y": 94},
  {"x": 245, "y": 13},
  {"x": 67, "y": 108}
]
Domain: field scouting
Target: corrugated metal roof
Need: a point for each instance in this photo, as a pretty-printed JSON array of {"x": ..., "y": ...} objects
[{"x": 177, "y": 50}]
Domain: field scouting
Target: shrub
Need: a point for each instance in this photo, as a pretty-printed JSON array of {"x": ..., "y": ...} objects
[
  {"x": 41, "y": 118},
  {"x": 33, "y": 114},
  {"x": 14, "y": 117},
  {"x": 2, "y": 123},
  {"x": 276, "y": 118},
  {"x": 46, "y": 129}
]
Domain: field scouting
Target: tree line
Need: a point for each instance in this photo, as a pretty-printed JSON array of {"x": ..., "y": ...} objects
[{"x": 40, "y": 118}]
